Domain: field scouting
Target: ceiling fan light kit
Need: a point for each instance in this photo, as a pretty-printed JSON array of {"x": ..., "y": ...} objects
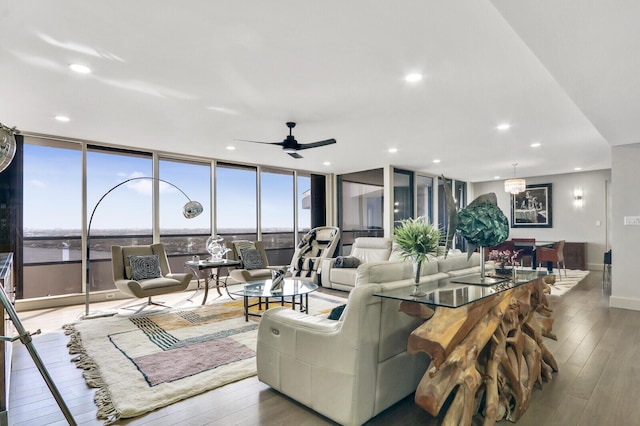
[{"x": 291, "y": 146}]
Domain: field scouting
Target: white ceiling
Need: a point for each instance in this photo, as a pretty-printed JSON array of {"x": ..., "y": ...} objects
[{"x": 191, "y": 77}]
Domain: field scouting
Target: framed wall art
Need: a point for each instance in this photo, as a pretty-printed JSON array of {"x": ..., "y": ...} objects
[{"x": 532, "y": 208}]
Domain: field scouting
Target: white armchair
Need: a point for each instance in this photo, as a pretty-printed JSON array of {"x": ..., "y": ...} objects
[{"x": 347, "y": 370}]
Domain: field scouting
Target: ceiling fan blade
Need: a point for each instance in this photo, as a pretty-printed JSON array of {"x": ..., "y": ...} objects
[
  {"x": 316, "y": 144},
  {"x": 266, "y": 143},
  {"x": 294, "y": 154}
]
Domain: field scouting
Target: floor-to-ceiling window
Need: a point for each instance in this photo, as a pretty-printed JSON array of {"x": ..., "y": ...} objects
[
  {"x": 402, "y": 195},
  {"x": 124, "y": 184},
  {"x": 424, "y": 200},
  {"x": 52, "y": 218},
  {"x": 361, "y": 205},
  {"x": 183, "y": 237},
  {"x": 304, "y": 202},
  {"x": 124, "y": 215},
  {"x": 277, "y": 214},
  {"x": 236, "y": 203}
]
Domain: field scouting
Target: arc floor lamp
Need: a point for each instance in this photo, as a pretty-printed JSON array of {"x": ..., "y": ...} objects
[{"x": 190, "y": 210}]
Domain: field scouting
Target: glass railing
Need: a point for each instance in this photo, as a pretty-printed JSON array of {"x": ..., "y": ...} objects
[{"x": 52, "y": 266}]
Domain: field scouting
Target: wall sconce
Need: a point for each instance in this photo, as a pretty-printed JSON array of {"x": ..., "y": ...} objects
[{"x": 577, "y": 198}]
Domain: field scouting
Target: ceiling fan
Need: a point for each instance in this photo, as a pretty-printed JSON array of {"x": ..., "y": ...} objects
[{"x": 290, "y": 145}]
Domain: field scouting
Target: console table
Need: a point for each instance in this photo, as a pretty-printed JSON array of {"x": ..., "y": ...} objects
[{"x": 485, "y": 343}]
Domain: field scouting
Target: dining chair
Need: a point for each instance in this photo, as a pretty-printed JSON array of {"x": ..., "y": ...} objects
[
  {"x": 553, "y": 254},
  {"x": 527, "y": 246}
]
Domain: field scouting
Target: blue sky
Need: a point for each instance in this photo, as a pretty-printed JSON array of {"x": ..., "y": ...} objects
[{"x": 53, "y": 192}]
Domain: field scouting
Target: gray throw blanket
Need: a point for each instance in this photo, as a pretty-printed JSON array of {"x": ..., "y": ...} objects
[{"x": 347, "y": 262}]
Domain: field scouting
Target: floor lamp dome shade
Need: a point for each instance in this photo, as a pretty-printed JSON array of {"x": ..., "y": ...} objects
[
  {"x": 7, "y": 146},
  {"x": 190, "y": 210}
]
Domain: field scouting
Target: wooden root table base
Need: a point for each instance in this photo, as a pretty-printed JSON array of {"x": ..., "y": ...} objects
[{"x": 489, "y": 353}]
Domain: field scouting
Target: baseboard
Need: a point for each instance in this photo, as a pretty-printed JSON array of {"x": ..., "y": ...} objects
[
  {"x": 624, "y": 303},
  {"x": 76, "y": 299}
]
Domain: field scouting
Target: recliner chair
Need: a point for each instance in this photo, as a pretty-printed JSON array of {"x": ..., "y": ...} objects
[{"x": 154, "y": 269}]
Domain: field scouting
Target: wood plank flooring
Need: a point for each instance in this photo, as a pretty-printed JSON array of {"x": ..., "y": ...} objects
[{"x": 597, "y": 352}]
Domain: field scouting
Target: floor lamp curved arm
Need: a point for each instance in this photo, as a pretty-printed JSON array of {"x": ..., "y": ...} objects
[{"x": 190, "y": 210}]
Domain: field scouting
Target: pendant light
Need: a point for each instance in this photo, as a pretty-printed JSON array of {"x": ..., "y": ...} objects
[{"x": 515, "y": 185}]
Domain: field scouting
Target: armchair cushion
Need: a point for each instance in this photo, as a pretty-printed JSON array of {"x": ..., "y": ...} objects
[
  {"x": 145, "y": 267},
  {"x": 251, "y": 258}
]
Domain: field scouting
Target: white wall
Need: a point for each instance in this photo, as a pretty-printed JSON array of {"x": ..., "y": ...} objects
[
  {"x": 625, "y": 288},
  {"x": 569, "y": 223}
]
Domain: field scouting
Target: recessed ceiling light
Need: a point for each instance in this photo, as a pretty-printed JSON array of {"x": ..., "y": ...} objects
[
  {"x": 503, "y": 126},
  {"x": 393, "y": 150},
  {"x": 413, "y": 78},
  {"x": 231, "y": 148},
  {"x": 536, "y": 145},
  {"x": 577, "y": 169},
  {"x": 437, "y": 160},
  {"x": 80, "y": 69},
  {"x": 62, "y": 118},
  {"x": 327, "y": 163},
  {"x": 496, "y": 177}
]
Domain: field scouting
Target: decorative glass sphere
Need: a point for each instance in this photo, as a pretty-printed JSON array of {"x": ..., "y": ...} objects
[{"x": 215, "y": 248}]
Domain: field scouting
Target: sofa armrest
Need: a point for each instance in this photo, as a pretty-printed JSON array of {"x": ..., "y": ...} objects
[
  {"x": 325, "y": 271},
  {"x": 306, "y": 338}
]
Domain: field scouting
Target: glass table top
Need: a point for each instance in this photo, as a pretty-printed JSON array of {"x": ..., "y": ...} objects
[
  {"x": 451, "y": 294},
  {"x": 263, "y": 289}
]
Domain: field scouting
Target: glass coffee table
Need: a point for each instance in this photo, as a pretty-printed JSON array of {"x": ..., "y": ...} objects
[{"x": 296, "y": 291}]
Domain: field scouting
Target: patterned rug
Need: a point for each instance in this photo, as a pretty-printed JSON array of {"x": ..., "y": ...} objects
[
  {"x": 565, "y": 283},
  {"x": 143, "y": 362}
]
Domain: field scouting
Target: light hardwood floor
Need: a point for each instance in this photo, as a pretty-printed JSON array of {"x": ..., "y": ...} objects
[{"x": 597, "y": 352}]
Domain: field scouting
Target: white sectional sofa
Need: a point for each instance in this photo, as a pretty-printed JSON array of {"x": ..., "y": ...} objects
[
  {"x": 371, "y": 250},
  {"x": 352, "y": 369}
]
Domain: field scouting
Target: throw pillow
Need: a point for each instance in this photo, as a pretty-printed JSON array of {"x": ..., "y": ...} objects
[
  {"x": 238, "y": 245},
  {"x": 347, "y": 262},
  {"x": 251, "y": 259},
  {"x": 145, "y": 267},
  {"x": 336, "y": 312}
]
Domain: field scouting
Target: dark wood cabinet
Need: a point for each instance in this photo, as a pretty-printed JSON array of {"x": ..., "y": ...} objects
[{"x": 575, "y": 255}]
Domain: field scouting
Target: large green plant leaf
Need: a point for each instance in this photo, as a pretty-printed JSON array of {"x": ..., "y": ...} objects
[{"x": 483, "y": 224}]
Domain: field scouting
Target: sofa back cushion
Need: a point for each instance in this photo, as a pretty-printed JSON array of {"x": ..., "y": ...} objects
[
  {"x": 371, "y": 249},
  {"x": 458, "y": 261}
]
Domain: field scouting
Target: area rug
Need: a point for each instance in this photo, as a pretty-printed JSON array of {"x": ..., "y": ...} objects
[
  {"x": 146, "y": 361},
  {"x": 565, "y": 283}
]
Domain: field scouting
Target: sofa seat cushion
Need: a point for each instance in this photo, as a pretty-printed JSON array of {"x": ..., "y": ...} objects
[{"x": 344, "y": 276}]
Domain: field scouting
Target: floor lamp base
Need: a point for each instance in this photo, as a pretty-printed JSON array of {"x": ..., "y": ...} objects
[{"x": 99, "y": 314}]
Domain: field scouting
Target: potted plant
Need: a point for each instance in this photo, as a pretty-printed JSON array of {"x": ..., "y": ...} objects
[
  {"x": 504, "y": 258},
  {"x": 416, "y": 239},
  {"x": 483, "y": 224}
]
